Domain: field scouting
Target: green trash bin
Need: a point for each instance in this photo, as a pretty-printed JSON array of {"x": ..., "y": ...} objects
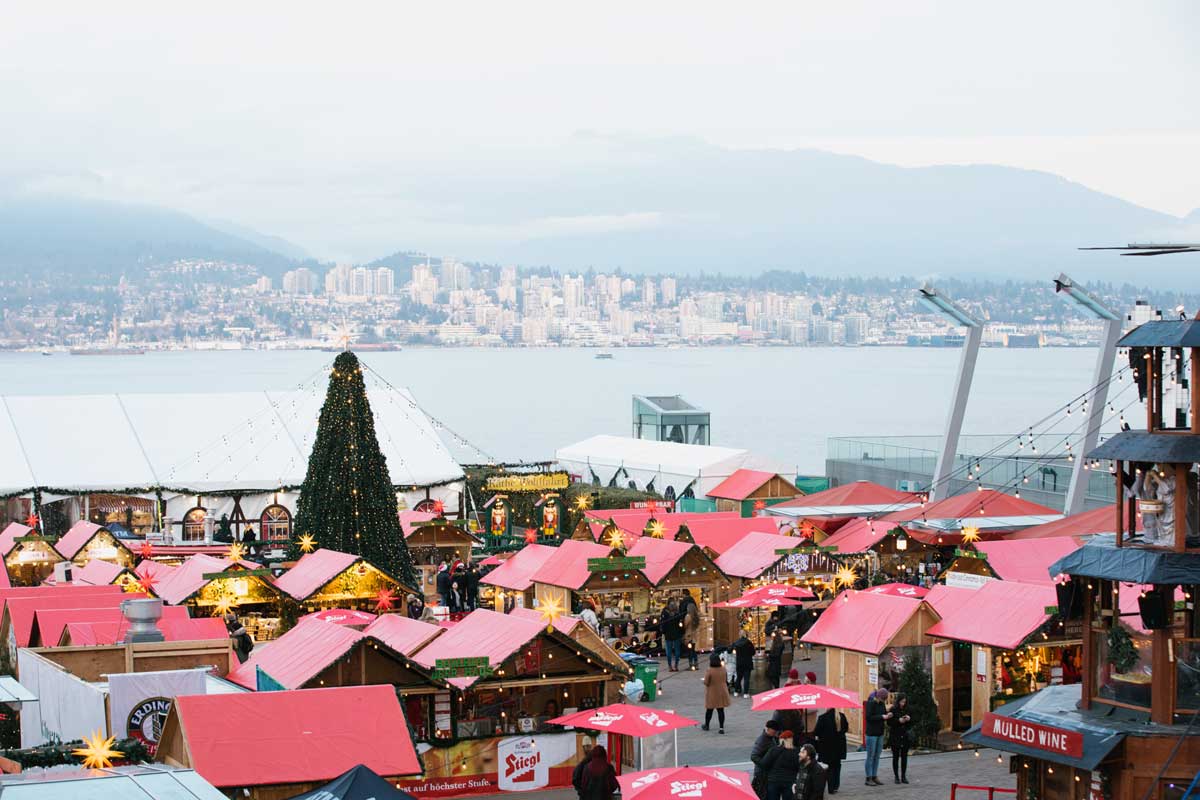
[{"x": 646, "y": 671}]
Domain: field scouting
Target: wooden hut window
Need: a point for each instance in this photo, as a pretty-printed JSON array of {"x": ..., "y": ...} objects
[
  {"x": 193, "y": 524},
  {"x": 275, "y": 524}
]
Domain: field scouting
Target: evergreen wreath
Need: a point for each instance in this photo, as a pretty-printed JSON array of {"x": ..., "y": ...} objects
[{"x": 1121, "y": 653}]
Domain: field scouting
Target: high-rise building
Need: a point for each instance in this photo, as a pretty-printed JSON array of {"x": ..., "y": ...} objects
[
  {"x": 385, "y": 281},
  {"x": 649, "y": 292},
  {"x": 262, "y": 285},
  {"x": 572, "y": 293},
  {"x": 667, "y": 289},
  {"x": 856, "y": 325},
  {"x": 299, "y": 281}
]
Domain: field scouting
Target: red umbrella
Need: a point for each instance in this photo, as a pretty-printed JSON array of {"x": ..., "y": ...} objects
[
  {"x": 773, "y": 594},
  {"x": 701, "y": 783},
  {"x": 804, "y": 696},
  {"x": 625, "y": 719}
]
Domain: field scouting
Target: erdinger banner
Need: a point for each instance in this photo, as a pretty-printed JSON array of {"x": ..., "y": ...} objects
[
  {"x": 506, "y": 764},
  {"x": 139, "y": 701}
]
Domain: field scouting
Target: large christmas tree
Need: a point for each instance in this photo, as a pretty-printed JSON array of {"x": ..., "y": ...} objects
[{"x": 347, "y": 502}]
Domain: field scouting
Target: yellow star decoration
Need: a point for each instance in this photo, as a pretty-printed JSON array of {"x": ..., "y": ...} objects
[
  {"x": 307, "y": 543},
  {"x": 656, "y": 529},
  {"x": 236, "y": 551},
  {"x": 550, "y": 611},
  {"x": 582, "y": 502},
  {"x": 846, "y": 576},
  {"x": 97, "y": 751},
  {"x": 223, "y": 605},
  {"x": 616, "y": 539},
  {"x": 970, "y": 534}
]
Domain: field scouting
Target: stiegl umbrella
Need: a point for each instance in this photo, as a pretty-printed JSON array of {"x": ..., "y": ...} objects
[
  {"x": 625, "y": 719},
  {"x": 773, "y": 594},
  {"x": 804, "y": 696},
  {"x": 695, "y": 783}
]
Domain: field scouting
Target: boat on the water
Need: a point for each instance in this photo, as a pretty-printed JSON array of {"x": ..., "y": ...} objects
[{"x": 604, "y": 356}]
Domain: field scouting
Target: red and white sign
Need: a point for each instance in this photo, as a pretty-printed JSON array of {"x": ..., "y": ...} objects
[
  {"x": 806, "y": 696},
  {"x": 625, "y": 719},
  {"x": 1030, "y": 734},
  {"x": 687, "y": 782}
]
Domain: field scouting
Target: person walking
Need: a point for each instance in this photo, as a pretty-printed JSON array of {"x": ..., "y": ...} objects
[
  {"x": 762, "y": 745},
  {"x": 830, "y": 731},
  {"x": 691, "y": 629},
  {"x": 782, "y": 765},
  {"x": 743, "y": 649},
  {"x": 876, "y": 715},
  {"x": 671, "y": 628},
  {"x": 716, "y": 693},
  {"x": 598, "y": 779},
  {"x": 775, "y": 659},
  {"x": 898, "y": 737},
  {"x": 810, "y": 780}
]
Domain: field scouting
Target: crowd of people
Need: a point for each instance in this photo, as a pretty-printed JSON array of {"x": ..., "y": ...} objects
[{"x": 458, "y": 586}]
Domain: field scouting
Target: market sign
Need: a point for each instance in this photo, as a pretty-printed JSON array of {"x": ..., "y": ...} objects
[
  {"x": 33, "y": 537},
  {"x": 238, "y": 573},
  {"x": 806, "y": 549},
  {"x": 1030, "y": 734},
  {"x": 623, "y": 564},
  {"x": 970, "y": 554},
  {"x": 475, "y": 667},
  {"x": 535, "y": 482}
]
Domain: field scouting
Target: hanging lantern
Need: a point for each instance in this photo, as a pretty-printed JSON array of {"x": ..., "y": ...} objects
[{"x": 901, "y": 539}]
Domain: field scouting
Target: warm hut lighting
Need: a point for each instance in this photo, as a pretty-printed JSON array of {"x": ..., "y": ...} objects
[
  {"x": 616, "y": 539},
  {"x": 307, "y": 543},
  {"x": 550, "y": 611},
  {"x": 236, "y": 552},
  {"x": 970, "y": 533},
  {"x": 655, "y": 529},
  {"x": 846, "y": 576},
  {"x": 901, "y": 539},
  {"x": 98, "y": 751}
]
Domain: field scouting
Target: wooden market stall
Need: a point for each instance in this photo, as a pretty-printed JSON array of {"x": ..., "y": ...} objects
[
  {"x": 102, "y": 573},
  {"x": 885, "y": 547},
  {"x": 861, "y": 658},
  {"x": 822, "y": 514},
  {"x": 434, "y": 542},
  {"x": 29, "y": 558},
  {"x": 1002, "y": 645},
  {"x": 510, "y": 584},
  {"x": 275, "y": 745},
  {"x": 761, "y": 558},
  {"x": 332, "y": 579},
  {"x": 49, "y": 624},
  {"x": 748, "y": 491},
  {"x": 211, "y": 586},
  {"x": 85, "y": 541},
  {"x": 16, "y": 625},
  {"x": 674, "y": 568}
]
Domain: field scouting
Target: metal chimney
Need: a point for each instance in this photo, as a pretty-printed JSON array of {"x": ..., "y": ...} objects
[{"x": 143, "y": 616}]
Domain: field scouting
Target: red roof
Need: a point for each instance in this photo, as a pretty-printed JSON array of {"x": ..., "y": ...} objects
[
  {"x": 754, "y": 554},
  {"x": 858, "y": 493},
  {"x": 299, "y": 655},
  {"x": 859, "y": 535},
  {"x": 79, "y": 535},
  {"x": 343, "y": 616},
  {"x": 309, "y": 736},
  {"x": 902, "y": 589},
  {"x": 13, "y": 531},
  {"x": 863, "y": 622},
  {"x": 634, "y": 520},
  {"x": 96, "y": 573},
  {"x": 994, "y": 503},
  {"x": 1098, "y": 520},
  {"x": 174, "y": 630},
  {"x": 14, "y": 592},
  {"x": 944, "y": 599},
  {"x": 567, "y": 565},
  {"x": 402, "y": 634},
  {"x": 564, "y": 623},
  {"x": 661, "y": 556},
  {"x": 1026, "y": 560},
  {"x": 998, "y": 614},
  {"x": 482, "y": 633},
  {"x": 313, "y": 571},
  {"x": 719, "y": 535},
  {"x": 411, "y": 520},
  {"x": 741, "y": 484},
  {"x": 48, "y": 623},
  {"x": 517, "y": 571},
  {"x": 155, "y": 569},
  {"x": 188, "y": 578},
  {"x": 21, "y": 611}
]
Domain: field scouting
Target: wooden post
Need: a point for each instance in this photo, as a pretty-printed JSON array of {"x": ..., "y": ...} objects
[
  {"x": 1157, "y": 377},
  {"x": 1195, "y": 387},
  {"x": 1089, "y": 669},
  {"x": 1147, "y": 366},
  {"x": 1162, "y": 699},
  {"x": 1120, "y": 501},
  {"x": 1181, "y": 508}
]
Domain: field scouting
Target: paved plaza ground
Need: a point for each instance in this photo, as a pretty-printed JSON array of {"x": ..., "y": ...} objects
[{"x": 929, "y": 775}]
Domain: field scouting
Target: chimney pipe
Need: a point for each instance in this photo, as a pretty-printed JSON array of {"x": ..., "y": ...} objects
[{"x": 143, "y": 616}]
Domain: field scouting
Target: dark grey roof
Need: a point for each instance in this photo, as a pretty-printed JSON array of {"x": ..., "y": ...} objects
[
  {"x": 1103, "y": 727},
  {"x": 148, "y": 781},
  {"x": 1101, "y": 558},
  {"x": 1163, "y": 333},
  {"x": 1156, "y": 448}
]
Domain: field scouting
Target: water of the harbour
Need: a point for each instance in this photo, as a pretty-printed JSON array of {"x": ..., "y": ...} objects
[{"x": 523, "y": 404}]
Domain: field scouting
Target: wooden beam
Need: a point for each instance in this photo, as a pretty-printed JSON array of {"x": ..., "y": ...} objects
[
  {"x": 1195, "y": 387},
  {"x": 1120, "y": 501},
  {"x": 1089, "y": 668},
  {"x": 1181, "y": 509}
]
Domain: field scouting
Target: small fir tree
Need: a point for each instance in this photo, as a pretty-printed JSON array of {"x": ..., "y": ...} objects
[
  {"x": 347, "y": 502},
  {"x": 917, "y": 685}
]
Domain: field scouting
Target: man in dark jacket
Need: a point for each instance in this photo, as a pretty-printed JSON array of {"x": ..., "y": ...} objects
[
  {"x": 810, "y": 780},
  {"x": 830, "y": 731},
  {"x": 472, "y": 579},
  {"x": 781, "y": 765},
  {"x": 876, "y": 715},
  {"x": 671, "y": 627},
  {"x": 443, "y": 583},
  {"x": 762, "y": 745},
  {"x": 743, "y": 649}
]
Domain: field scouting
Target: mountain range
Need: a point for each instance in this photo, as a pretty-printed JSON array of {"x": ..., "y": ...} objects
[{"x": 680, "y": 207}]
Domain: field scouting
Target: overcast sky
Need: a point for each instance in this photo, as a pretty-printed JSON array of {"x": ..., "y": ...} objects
[{"x": 291, "y": 117}]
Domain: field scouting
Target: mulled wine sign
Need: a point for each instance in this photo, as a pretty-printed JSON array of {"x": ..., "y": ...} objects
[{"x": 1059, "y": 741}]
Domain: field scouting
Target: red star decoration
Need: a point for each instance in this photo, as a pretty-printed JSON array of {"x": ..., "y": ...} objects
[
  {"x": 384, "y": 600},
  {"x": 147, "y": 583},
  {"x": 439, "y": 508},
  {"x": 146, "y": 550},
  {"x": 530, "y": 535},
  {"x": 32, "y": 521},
  {"x": 652, "y": 506},
  {"x": 759, "y": 505}
]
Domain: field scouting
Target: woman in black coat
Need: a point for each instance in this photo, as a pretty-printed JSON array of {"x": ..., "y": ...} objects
[
  {"x": 898, "y": 737},
  {"x": 775, "y": 659},
  {"x": 830, "y": 731},
  {"x": 781, "y": 766}
]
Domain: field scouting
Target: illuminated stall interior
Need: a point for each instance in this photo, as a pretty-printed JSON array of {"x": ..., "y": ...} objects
[
  {"x": 85, "y": 541},
  {"x": 432, "y": 542},
  {"x": 673, "y": 570},
  {"x": 510, "y": 584},
  {"x": 332, "y": 579},
  {"x": 28, "y": 558},
  {"x": 211, "y": 586}
]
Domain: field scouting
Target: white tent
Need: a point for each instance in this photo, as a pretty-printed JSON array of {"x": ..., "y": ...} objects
[
  {"x": 665, "y": 464},
  {"x": 197, "y": 443}
]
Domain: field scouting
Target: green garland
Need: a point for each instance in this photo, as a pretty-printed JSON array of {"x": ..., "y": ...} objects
[
  {"x": 1121, "y": 653},
  {"x": 56, "y": 754}
]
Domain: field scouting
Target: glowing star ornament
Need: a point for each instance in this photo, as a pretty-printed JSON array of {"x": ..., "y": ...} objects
[
  {"x": 32, "y": 521},
  {"x": 582, "y": 502},
  {"x": 145, "y": 584},
  {"x": 530, "y": 535},
  {"x": 616, "y": 539},
  {"x": 223, "y": 605},
  {"x": 656, "y": 529},
  {"x": 970, "y": 533},
  {"x": 385, "y": 600},
  {"x": 759, "y": 505},
  {"x": 439, "y": 508},
  {"x": 236, "y": 552},
  {"x": 97, "y": 751},
  {"x": 146, "y": 550},
  {"x": 845, "y": 577},
  {"x": 307, "y": 543},
  {"x": 550, "y": 611}
]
